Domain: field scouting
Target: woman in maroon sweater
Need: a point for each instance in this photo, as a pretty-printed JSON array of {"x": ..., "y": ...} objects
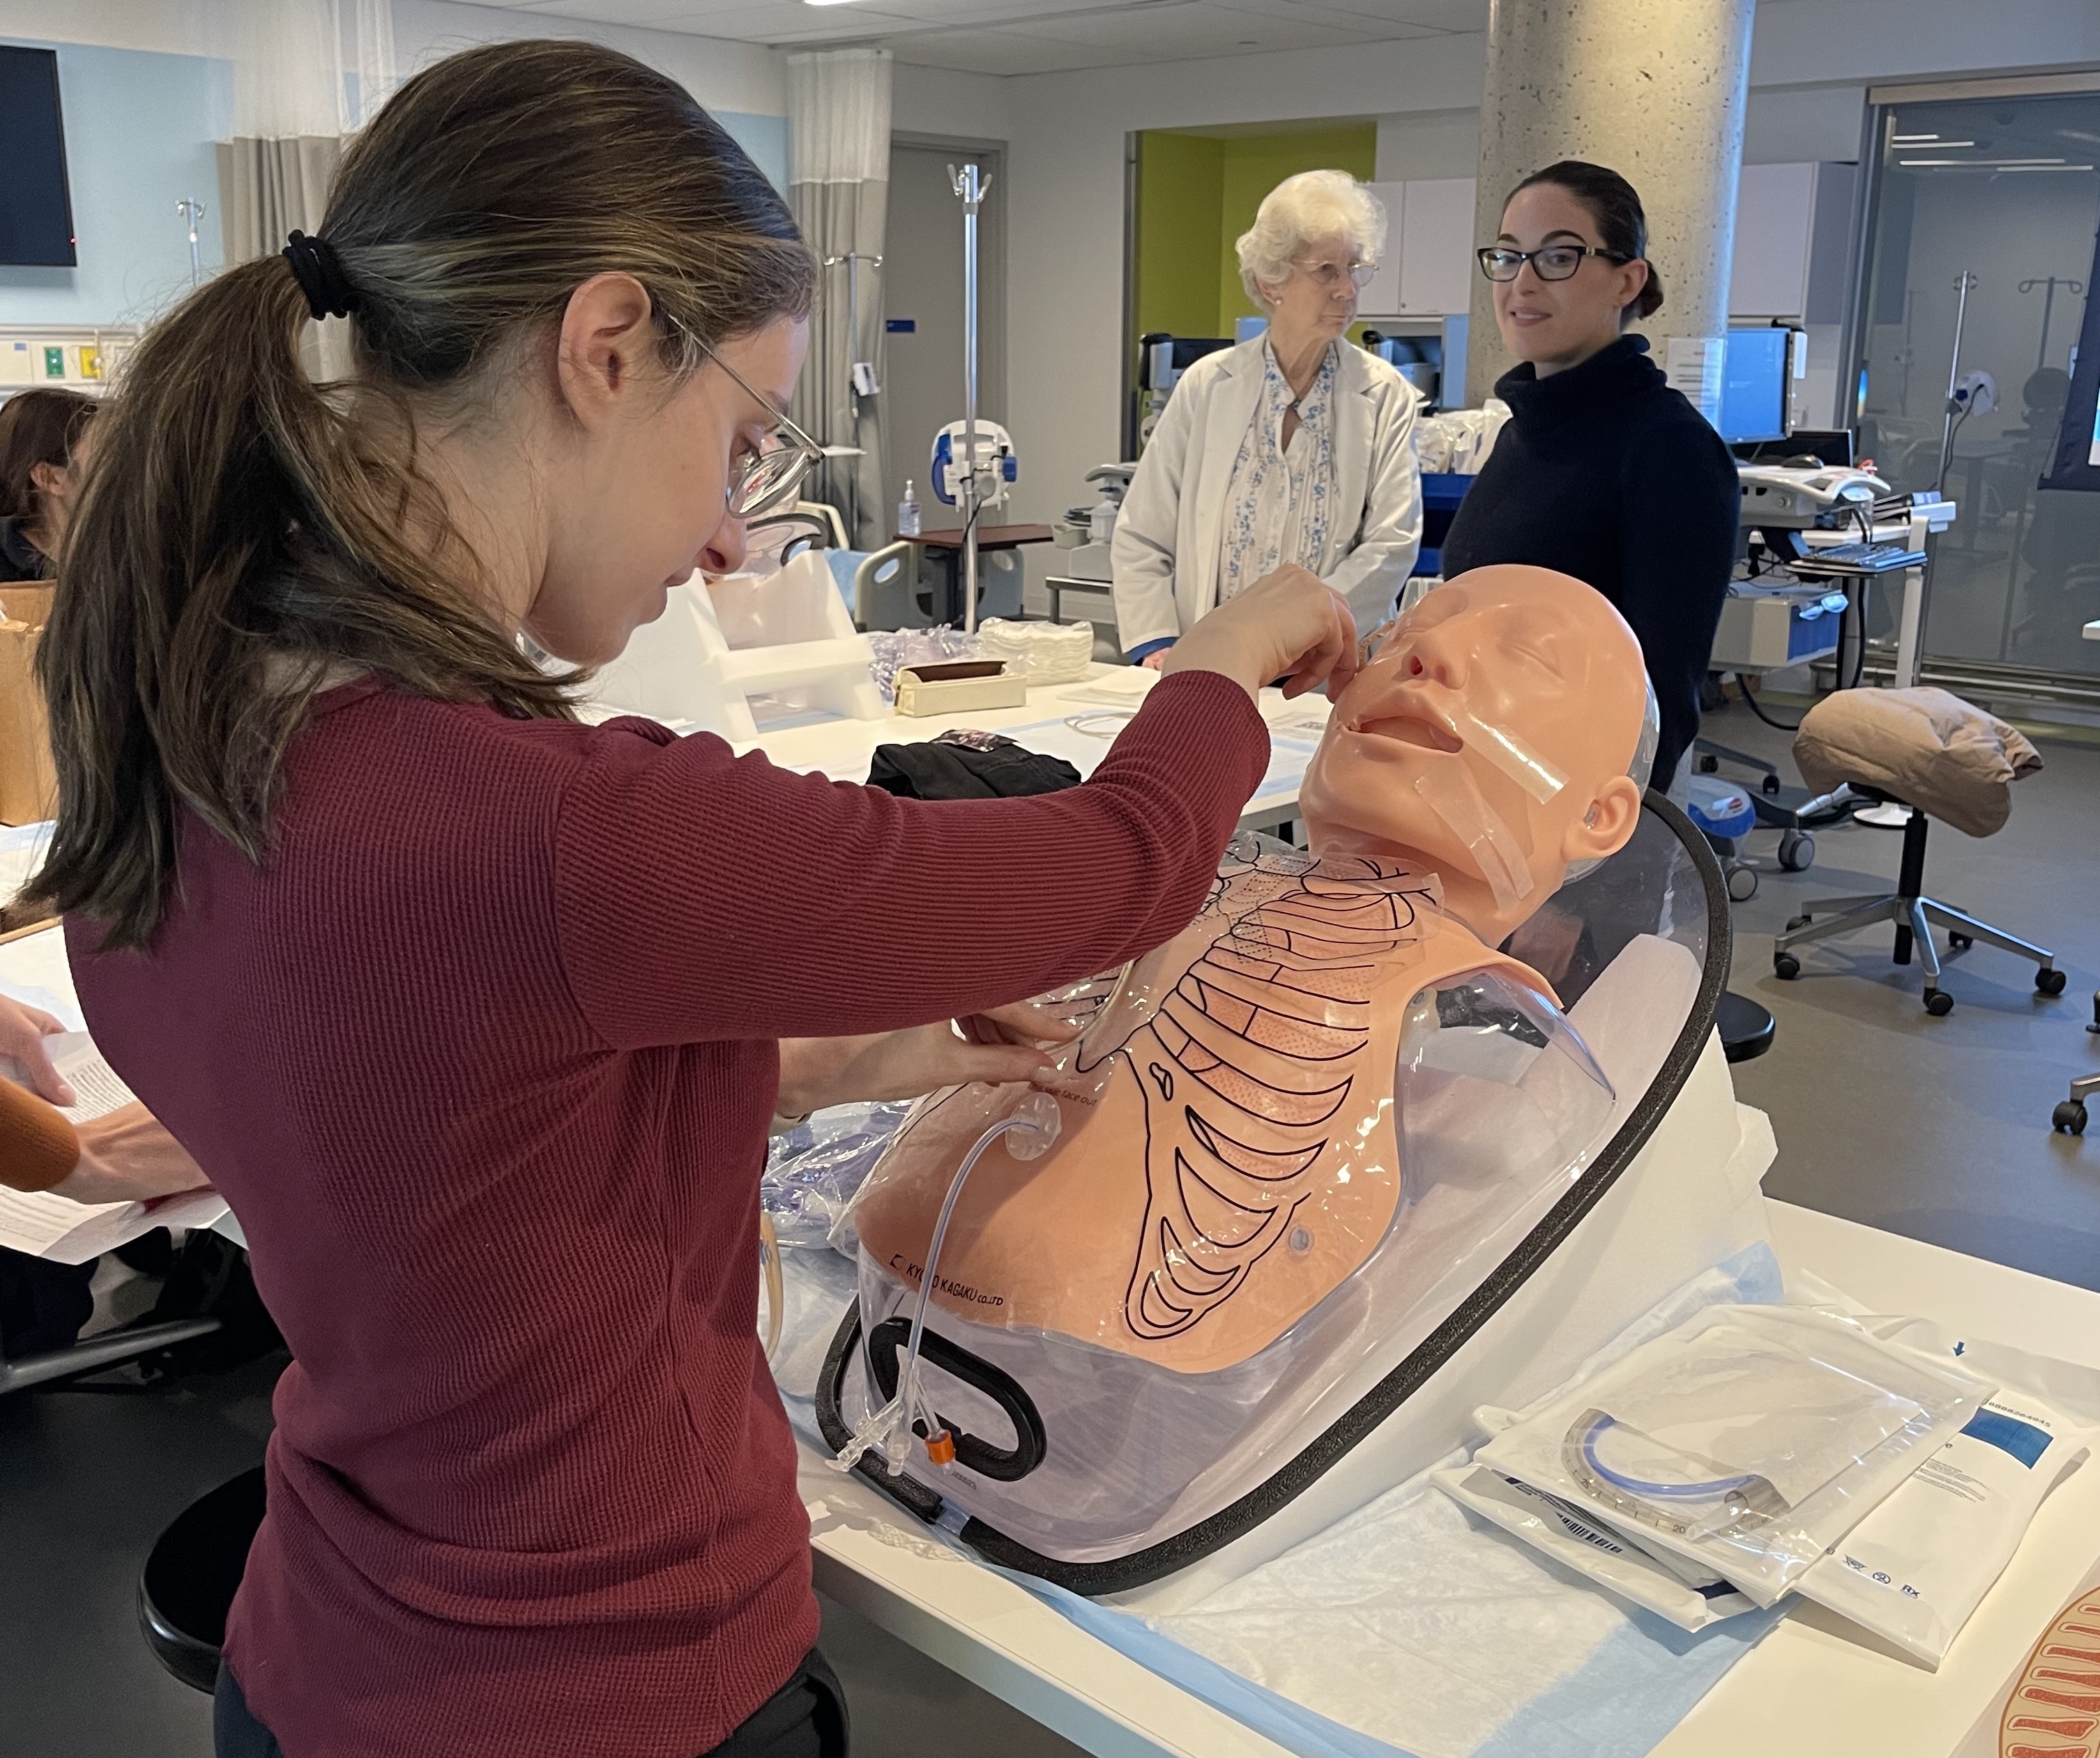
[{"x": 476, "y": 1015}]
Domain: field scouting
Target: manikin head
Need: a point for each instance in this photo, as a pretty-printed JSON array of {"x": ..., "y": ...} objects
[{"x": 1488, "y": 742}]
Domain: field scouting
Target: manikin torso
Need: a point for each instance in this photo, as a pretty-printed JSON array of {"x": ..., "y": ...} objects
[{"x": 1226, "y": 1153}]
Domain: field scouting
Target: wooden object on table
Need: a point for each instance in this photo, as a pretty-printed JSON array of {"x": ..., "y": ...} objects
[{"x": 28, "y": 785}]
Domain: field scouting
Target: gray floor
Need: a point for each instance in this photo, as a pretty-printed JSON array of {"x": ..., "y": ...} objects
[{"x": 1935, "y": 1128}]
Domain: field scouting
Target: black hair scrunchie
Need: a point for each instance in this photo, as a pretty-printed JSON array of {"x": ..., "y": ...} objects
[{"x": 319, "y": 272}]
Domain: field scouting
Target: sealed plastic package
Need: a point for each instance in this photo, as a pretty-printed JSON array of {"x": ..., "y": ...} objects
[
  {"x": 1309, "y": 1156},
  {"x": 1748, "y": 1440}
]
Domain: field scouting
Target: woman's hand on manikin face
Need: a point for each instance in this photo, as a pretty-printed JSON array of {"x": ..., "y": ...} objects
[
  {"x": 635, "y": 465},
  {"x": 1557, "y": 324}
]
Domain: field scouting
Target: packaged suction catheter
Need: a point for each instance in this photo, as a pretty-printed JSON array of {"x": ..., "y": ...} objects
[
  {"x": 1916, "y": 1568},
  {"x": 1749, "y": 1439},
  {"x": 1690, "y": 1596}
]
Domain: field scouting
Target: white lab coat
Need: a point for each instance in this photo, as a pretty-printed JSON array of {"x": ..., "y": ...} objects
[{"x": 1169, "y": 539}]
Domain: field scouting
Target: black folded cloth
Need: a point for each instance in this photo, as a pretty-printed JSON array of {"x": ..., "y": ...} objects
[{"x": 965, "y": 765}]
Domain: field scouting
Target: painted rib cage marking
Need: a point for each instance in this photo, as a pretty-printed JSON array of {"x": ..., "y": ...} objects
[
  {"x": 1248, "y": 1062},
  {"x": 2054, "y": 1711}
]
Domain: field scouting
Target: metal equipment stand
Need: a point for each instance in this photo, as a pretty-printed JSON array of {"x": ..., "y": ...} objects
[
  {"x": 970, "y": 186},
  {"x": 855, "y": 369}
]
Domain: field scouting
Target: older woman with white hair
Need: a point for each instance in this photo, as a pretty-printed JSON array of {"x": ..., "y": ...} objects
[{"x": 1293, "y": 450}]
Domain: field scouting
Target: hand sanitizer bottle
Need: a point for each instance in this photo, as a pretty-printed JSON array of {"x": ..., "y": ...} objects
[{"x": 907, "y": 512}]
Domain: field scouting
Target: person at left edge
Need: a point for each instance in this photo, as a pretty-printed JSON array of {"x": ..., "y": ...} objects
[
  {"x": 1296, "y": 449},
  {"x": 45, "y": 437},
  {"x": 476, "y": 1014}
]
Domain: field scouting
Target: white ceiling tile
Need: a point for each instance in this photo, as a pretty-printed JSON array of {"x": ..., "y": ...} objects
[
  {"x": 1335, "y": 14},
  {"x": 1016, "y": 37},
  {"x": 784, "y": 22},
  {"x": 1433, "y": 15},
  {"x": 1193, "y": 28},
  {"x": 1010, "y": 14},
  {"x": 1007, "y": 52}
]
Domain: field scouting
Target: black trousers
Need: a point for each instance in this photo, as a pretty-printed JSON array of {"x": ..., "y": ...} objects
[{"x": 805, "y": 1718}]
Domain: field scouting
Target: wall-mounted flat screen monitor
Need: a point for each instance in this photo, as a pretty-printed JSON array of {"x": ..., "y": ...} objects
[
  {"x": 1753, "y": 385},
  {"x": 36, "y": 206}
]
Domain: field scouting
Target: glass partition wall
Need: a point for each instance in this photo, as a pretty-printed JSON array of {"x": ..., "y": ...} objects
[{"x": 2001, "y": 193}]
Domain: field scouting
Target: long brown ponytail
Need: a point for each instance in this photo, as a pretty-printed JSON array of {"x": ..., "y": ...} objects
[{"x": 245, "y": 533}]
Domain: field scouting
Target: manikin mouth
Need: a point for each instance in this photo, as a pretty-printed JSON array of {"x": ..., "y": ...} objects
[{"x": 1414, "y": 729}]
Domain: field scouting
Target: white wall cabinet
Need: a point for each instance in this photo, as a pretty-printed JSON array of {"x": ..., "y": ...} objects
[
  {"x": 1792, "y": 239},
  {"x": 1428, "y": 251}
]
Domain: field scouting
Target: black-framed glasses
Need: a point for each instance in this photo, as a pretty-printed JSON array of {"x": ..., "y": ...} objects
[
  {"x": 768, "y": 479},
  {"x": 1549, "y": 262}
]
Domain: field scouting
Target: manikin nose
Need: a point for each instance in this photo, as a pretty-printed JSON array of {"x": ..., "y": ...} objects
[{"x": 1439, "y": 661}]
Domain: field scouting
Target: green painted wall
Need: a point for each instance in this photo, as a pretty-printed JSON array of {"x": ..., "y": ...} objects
[
  {"x": 1179, "y": 180},
  {"x": 1255, "y": 165},
  {"x": 1196, "y": 195}
]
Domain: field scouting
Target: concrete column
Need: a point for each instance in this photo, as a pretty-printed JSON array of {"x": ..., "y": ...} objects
[{"x": 1655, "y": 89}]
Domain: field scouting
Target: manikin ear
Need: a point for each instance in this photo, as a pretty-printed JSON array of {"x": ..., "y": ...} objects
[
  {"x": 1607, "y": 827},
  {"x": 607, "y": 342}
]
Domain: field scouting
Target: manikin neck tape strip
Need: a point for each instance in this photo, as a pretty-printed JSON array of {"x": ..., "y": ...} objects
[
  {"x": 1452, "y": 793},
  {"x": 1513, "y": 757}
]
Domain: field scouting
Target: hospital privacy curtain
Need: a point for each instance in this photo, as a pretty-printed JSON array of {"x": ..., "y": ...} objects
[{"x": 838, "y": 102}]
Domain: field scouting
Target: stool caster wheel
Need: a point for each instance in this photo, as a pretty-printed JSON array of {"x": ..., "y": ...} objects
[
  {"x": 1938, "y": 1003},
  {"x": 1959, "y": 942},
  {"x": 1786, "y": 966},
  {"x": 1793, "y": 922},
  {"x": 1796, "y": 851},
  {"x": 2070, "y": 1117},
  {"x": 1742, "y": 884},
  {"x": 1770, "y": 784},
  {"x": 2048, "y": 982}
]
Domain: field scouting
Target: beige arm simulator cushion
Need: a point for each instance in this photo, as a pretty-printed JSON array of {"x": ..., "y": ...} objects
[{"x": 1932, "y": 750}]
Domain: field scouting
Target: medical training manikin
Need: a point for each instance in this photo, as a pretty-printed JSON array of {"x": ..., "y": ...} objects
[{"x": 1292, "y": 1146}]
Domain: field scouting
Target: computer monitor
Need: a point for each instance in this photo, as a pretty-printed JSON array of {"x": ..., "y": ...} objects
[
  {"x": 1754, "y": 385},
  {"x": 1826, "y": 445},
  {"x": 36, "y": 205}
]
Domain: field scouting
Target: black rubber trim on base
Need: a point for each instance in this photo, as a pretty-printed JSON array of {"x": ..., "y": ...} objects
[
  {"x": 1002, "y": 1464},
  {"x": 1155, "y": 1562}
]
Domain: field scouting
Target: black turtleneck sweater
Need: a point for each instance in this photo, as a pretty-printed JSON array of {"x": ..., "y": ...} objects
[{"x": 1605, "y": 472}]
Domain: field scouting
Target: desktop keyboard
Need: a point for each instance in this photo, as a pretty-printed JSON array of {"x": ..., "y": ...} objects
[{"x": 1857, "y": 558}]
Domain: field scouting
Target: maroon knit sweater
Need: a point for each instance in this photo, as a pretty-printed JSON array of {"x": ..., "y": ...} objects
[{"x": 482, "y": 1057}]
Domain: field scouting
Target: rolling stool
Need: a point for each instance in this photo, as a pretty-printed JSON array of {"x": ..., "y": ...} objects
[
  {"x": 188, "y": 1585},
  {"x": 1915, "y": 915}
]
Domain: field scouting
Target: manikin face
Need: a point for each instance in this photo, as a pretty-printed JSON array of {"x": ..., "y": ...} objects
[{"x": 1488, "y": 742}]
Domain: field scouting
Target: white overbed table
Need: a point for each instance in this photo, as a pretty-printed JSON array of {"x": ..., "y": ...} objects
[
  {"x": 842, "y": 749},
  {"x": 1806, "y": 1689}
]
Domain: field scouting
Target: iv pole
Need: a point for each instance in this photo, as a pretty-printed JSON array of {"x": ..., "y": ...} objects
[
  {"x": 2048, "y": 283},
  {"x": 852, "y": 260},
  {"x": 1962, "y": 288},
  {"x": 969, "y": 187},
  {"x": 193, "y": 210}
]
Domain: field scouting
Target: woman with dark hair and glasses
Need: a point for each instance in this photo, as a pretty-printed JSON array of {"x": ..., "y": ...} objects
[{"x": 1604, "y": 471}]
